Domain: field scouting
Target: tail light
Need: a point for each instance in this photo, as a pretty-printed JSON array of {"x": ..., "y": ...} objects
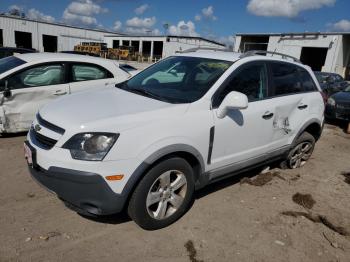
[{"x": 324, "y": 96}]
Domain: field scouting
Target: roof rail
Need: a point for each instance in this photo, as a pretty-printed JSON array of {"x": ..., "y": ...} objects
[
  {"x": 195, "y": 49},
  {"x": 262, "y": 52}
]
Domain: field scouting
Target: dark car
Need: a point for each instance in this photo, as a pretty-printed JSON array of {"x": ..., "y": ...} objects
[
  {"x": 9, "y": 51},
  {"x": 338, "y": 106},
  {"x": 331, "y": 83}
]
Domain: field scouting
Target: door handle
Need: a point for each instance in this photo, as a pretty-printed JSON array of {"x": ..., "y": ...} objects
[
  {"x": 60, "y": 93},
  {"x": 301, "y": 107},
  {"x": 267, "y": 115}
]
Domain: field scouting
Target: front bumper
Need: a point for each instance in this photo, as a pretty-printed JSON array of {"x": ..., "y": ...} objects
[{"x": 82, "y": 191}]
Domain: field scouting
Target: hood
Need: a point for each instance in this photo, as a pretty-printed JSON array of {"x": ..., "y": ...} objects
[
  {"x": 103, "y": 108},
  {"x": 342, "y": 97}
]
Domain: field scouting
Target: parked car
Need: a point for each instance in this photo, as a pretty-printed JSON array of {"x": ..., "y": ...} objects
[
  {"x": 28, "y": 81},
  {"x": 338, "y": 106},
  {"x": 147, "y": 144},
  {"x": 9, "y": 51},
  {"x": 331, "y": 83},
  {"x": 79, "y": 53}
]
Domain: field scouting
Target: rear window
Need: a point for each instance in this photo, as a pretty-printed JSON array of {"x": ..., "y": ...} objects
[
  {"x": 291, "y": 79},
  {"x": 9, "y": 63}
]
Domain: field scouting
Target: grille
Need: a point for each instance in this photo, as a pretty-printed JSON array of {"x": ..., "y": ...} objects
[
  {"x": 49, "y": 125},
  {"x": 41, "y": 140}
]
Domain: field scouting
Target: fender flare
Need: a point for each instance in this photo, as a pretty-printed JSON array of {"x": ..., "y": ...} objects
[
  {"x": 306, "y": 125},
  {"x": 150, "y": 160}
]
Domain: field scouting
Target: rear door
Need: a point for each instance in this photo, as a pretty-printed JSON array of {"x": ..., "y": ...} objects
[
  {"x": 31, "y": 89},
  {"x": 88, "y": 76},
  {"x": 293, "y": 92}
]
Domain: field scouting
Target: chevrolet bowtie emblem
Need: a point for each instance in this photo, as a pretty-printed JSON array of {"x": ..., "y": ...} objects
[{"x": 37, "y": 128}]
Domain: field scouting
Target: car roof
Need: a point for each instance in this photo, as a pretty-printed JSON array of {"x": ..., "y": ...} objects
[
  {"x": 228, "y": 55},
  {"x": 210, "y": 54},
  {"x": 46, "y": 57}
]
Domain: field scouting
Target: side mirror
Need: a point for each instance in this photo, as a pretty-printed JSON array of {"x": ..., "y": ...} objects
[
  {"x": 233, "y": 100},
  {"x": 7, "y": 91}
]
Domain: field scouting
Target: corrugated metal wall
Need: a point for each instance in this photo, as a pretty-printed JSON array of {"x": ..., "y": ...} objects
[{"x": 67, "y": 36}]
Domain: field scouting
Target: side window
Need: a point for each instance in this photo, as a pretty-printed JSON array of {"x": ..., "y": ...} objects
[
  {"x": 44, "y": 75},
  {"x": 251, "y": 80},
  {"x": 307, "y": 81},
  {"x": 286, "y": 79},
  {"x": 86, "y": 72}
]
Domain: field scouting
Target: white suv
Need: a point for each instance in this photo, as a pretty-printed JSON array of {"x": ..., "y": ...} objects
[{"x": 185, "y": 122}]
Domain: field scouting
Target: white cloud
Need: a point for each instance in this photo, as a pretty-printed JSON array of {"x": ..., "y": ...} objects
[
  {"x": 342, "y": 25},
  {"x": 138, "y": 22},
  {"x": 198, "y": 17},
  {"x": 141, "y": 9},
  {"x": 83, "y": 12},
  {"x": 285, "y": 8},
  {"x": 183, "y": 29},
  {"x": 141, "y": 31},
  {"x": 229, "y": 41},
  {"x": 16, "y": 7},
  {"x": 85, "y": 7},
  {"x": 37, "y": 15},
  {"x": 207, "y": 13},
  {"x": 117, "y": 26},
  {"x": 78, "y": 19}
]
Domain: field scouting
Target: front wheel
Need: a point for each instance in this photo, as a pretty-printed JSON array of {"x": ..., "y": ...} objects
[
  {"x": 163, "y": 195},
  {"x": 301, "y": 152}
]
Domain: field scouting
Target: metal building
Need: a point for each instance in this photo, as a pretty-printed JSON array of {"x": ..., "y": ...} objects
[
  {"x": 328, "y": 52},
  {"x": 153, "y": 48},
  {"x": 43, "y": 36}
]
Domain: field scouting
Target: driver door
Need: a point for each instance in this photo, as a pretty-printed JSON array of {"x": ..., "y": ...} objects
[
  {"x": 243, "y": 136},
  {"x": 29, "y": 90}
]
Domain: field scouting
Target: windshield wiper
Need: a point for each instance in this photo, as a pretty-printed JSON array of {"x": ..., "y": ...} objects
[{"x": 147, "y": 93}]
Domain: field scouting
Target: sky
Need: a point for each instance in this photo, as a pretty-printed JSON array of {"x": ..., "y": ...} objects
[{"x": 219, "y": 19}]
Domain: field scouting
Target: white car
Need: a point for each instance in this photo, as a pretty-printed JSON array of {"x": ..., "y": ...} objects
[
  {"x": 147, "y": 145},
  {"x": 28, "y": 81}
]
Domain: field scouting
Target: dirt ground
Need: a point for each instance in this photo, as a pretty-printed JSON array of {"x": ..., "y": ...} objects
[{"x": 299, "y": 215}]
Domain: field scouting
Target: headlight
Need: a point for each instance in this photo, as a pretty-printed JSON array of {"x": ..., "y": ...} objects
[
  {"x": 331, "y": 101},
  {"x": 90, "y": 146}
]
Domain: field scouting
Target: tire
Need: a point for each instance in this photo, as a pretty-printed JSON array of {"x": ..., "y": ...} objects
[
  {"x": 300, "y": 153},
  {"x": 163, "y": 195}
]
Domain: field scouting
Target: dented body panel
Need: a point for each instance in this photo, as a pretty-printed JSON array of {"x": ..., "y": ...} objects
[{"x": 19, "y": 109}]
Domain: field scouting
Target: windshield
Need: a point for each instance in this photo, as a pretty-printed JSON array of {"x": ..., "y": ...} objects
[
  {"x": 347, "y": 89},
  {"x": 177, "y": 79},
  {"x": 321, "y": 77},
  {"x": 9, "y": 63}
]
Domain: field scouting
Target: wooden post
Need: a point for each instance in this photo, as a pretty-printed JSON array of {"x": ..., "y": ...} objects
[{"x": 348, "y": 129}]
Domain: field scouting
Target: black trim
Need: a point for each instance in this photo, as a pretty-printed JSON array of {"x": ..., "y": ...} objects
[
  {"x": 245, "y": 165},
  {"x": 49, "y": 125},
  {"x": 211, "y": 144},
  {"x": 80, "y": 190},
  {"x": 40, "y": 140}
]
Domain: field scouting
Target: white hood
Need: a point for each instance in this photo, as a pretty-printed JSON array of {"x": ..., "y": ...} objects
[{"x": 105, "y": 108}]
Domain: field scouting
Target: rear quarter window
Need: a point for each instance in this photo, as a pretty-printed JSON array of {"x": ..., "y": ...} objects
[{"x": 307, "y": 81}]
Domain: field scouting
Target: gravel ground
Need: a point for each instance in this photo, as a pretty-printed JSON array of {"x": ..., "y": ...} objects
[{"x": 261, "y": 218}]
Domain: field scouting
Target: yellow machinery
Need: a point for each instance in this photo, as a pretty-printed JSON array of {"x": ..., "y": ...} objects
[
  {"x": 92, "y": 48},
  {"x": 100, "y": 49}
]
